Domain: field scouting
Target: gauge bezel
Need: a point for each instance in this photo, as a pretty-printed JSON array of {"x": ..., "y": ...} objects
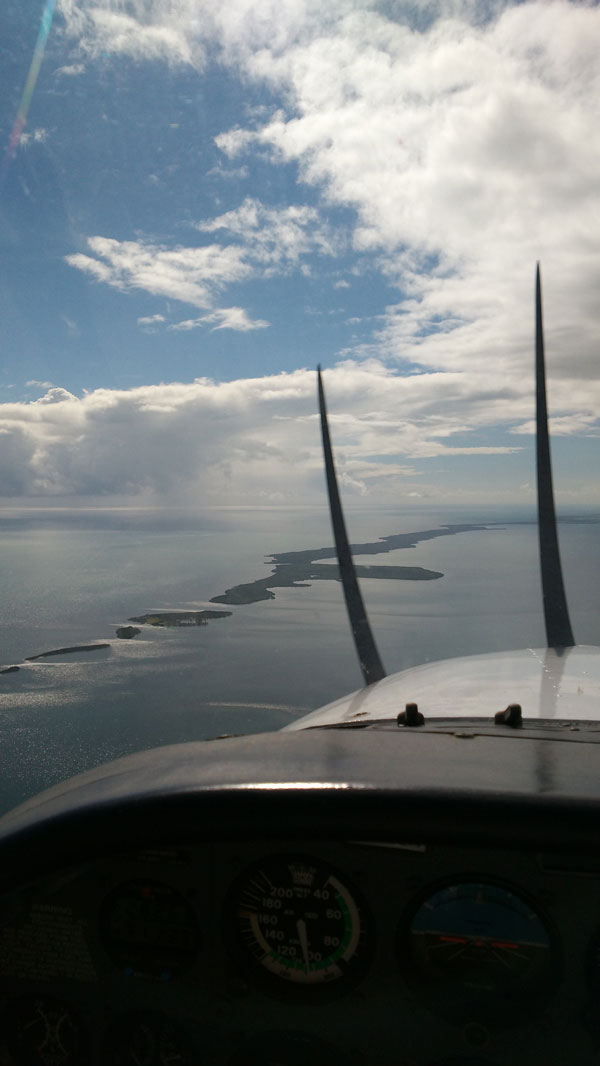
[
  {"x": 497, "y": 1010},
  {"x": 13, "y": 1023},
  {"x": 276, "y": 984},
  {"x": 142, "y": 959},
  {"x": 161, "y": 1029},
  {"x": 292, "y": 1048},
  {"x": 592, "y": 981}
]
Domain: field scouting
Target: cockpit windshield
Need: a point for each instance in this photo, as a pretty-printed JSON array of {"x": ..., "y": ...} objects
[{"x": 199, "y": 203}]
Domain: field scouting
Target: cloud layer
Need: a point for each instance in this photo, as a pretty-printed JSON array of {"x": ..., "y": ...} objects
[
  {"x": 258, "y": 439},
  {"x": 459, "y": 141},
  {"x": 467, "y": 152},
  {"x": 463, "y": 135}
]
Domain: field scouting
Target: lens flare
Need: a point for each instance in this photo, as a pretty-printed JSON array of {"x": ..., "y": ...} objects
[{"x": 34, "y": 69}]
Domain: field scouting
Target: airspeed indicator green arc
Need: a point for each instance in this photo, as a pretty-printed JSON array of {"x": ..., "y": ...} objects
[{"x": 298, "y": 923}]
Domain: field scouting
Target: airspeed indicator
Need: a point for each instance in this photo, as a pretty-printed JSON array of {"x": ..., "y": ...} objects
[{"x": 299, "y": 923}]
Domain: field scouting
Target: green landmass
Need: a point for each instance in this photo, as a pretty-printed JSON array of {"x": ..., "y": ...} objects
[
  {"x": 299, "y": 569},
  {"x": 178, "y": 619}
]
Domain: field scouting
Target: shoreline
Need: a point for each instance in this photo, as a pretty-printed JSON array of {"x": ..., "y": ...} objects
[
  {"x": 300, "y": 569},
  {"x": 297, "y": 569},
  {"x": 65, "y": 651},
  {"x": 178, "y": 619}
]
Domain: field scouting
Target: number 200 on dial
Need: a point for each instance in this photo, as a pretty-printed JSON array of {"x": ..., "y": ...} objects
[{"x": 300, "y": 923}]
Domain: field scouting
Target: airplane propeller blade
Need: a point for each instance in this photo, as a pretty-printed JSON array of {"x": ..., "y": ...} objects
[
  {"x": 368, "y": 656},
  {"x": 556, "y": 614}
]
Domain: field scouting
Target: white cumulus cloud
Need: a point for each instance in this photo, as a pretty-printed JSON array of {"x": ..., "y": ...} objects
[
  {"x": 212, "y": 441},
  {"x": 149, "y": 323},
  {"x": 191, "y": 275},
  {"x": 468, "y": 149},
  {"x": 154, "y": 30},
  {"x": 235, "y": 318},
  {"x": 275, "y": 236}
]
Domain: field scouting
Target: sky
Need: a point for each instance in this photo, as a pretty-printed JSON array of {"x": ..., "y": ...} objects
[{"x": 199, "y": 202}]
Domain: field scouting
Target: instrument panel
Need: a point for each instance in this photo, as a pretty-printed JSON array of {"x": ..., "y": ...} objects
[{"x": 337, "y": 953}]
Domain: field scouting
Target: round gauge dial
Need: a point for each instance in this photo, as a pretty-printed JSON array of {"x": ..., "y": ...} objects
[
  {"x": 478, "y": 950},
  {"x": 300, "y": 923},
  {"x": 591, "y": 1012},
  {"x": 148, "y": 1040},
  {"x": 149, "y": 929},
  {"x": 42, "y": 1031},
  {"x": 279, "y": 1048}
]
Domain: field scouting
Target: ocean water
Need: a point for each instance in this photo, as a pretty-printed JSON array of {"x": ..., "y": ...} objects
[{"x": 70, "y": 579}]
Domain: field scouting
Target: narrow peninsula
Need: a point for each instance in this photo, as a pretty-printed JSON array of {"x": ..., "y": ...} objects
[
  {"x": 300, "y": 569},
  {"x": 65, "y": 651}
]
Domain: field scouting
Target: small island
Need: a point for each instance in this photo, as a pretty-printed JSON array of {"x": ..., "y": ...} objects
[
  {"x": 127, "y": 632},
  {"x": 65, "y": 651},
  {"x": 178, "y": 619},
  {"x": 299, "y": 569}
]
